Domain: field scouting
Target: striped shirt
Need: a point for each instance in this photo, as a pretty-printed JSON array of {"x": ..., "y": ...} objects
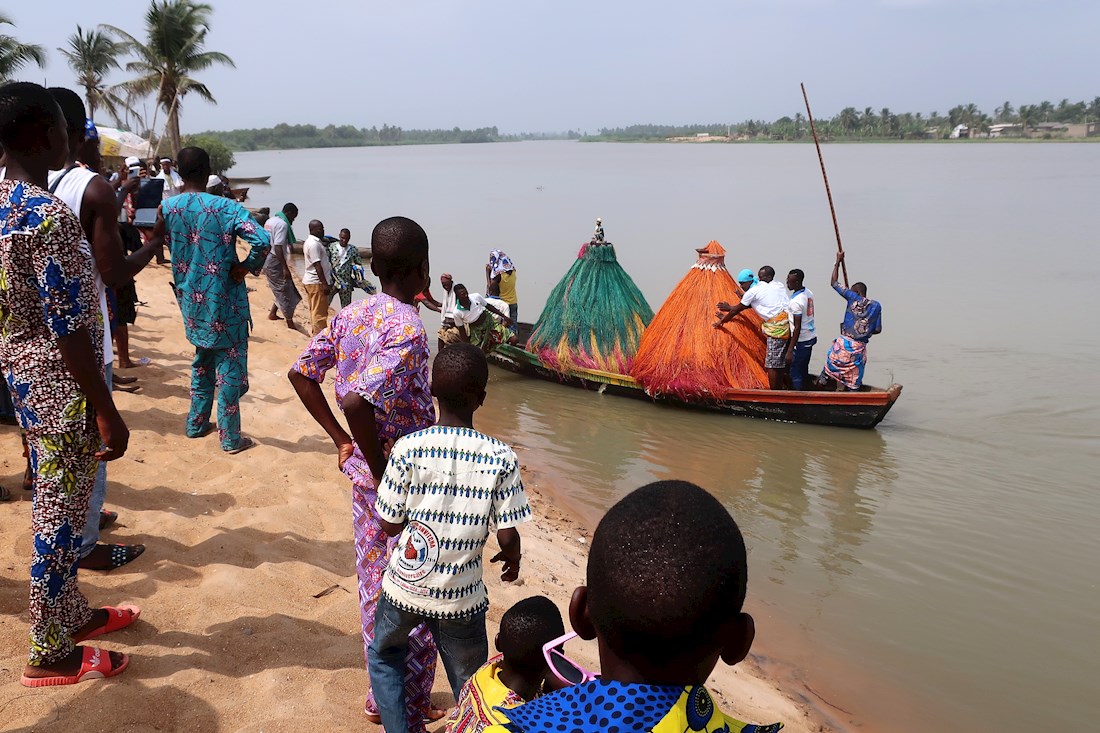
[{"x": 452, "y": 485}]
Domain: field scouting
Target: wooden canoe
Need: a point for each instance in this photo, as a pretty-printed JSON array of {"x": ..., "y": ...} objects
[
  {"x": 863, "y": 409},
  {"x": 250, "y": 179}
]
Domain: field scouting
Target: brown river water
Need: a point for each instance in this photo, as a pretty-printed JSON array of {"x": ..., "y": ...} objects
[{"x": 940, "y": 571}]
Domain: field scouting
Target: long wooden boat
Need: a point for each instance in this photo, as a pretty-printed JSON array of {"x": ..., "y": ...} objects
[
  {"x": 863, "y": 409},
  {"x": 250, "y": 179}
]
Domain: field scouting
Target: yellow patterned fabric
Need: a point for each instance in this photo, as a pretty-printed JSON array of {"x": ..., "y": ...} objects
[{"x": 482, "y": 693}]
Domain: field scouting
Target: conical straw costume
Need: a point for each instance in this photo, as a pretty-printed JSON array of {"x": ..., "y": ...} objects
[
  {"x": 594, "y": 317},
  {"x": 684, "y": 355}
]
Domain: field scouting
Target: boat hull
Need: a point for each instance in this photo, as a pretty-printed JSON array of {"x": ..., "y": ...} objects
[{"x": 864, "y": 409}]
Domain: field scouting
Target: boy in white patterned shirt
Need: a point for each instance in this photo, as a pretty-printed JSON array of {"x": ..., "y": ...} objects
[{"x": 443, "y": 489}]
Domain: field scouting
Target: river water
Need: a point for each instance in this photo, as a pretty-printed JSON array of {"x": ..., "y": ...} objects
[{"x": 941, "y": 570}]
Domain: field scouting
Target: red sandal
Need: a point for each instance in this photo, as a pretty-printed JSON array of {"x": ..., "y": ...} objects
[
  {"x": 94, "y": 665},
  {"x": 117, "y": 618}
]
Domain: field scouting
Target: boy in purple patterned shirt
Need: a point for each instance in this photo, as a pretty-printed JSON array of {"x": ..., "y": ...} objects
[{"x": 379, "y": 350}]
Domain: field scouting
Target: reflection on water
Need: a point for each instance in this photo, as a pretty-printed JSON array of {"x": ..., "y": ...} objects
[
  {"x": 804, "y": 492},
  {"x": 949, "y": 556}
]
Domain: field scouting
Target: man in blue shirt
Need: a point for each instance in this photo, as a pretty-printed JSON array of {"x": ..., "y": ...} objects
[
  {"x": 201, "y": 231},
  {"x": 862, "y": 319}
]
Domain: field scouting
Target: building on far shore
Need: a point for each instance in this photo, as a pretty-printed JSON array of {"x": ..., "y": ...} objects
[
  {"x": 1010, "y": 129},
  {"x": 960, "y": 132}
]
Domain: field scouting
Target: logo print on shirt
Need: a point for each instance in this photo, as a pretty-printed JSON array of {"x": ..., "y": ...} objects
[{"x": 417, "y": 554}]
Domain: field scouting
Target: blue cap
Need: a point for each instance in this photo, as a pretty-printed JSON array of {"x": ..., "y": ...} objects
[
  {"x": 90, "y": 133},
  {"x": 746, "y": 275}
]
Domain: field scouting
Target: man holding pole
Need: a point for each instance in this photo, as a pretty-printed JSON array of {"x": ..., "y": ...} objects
[{"x": 862, "y": 319}]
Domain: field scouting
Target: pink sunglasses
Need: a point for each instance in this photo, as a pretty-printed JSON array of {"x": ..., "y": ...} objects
[{"x": 564, "y": 668}]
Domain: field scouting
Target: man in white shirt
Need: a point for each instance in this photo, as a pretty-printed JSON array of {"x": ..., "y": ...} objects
[
  {"x": 93, "y": 201},
  {"x": 448, "y": 332},
  {"x": 277, "y": 265},
  {"x": 803, "y": 330},
  {"x": 173, "y": 184},
  {"x": 769, "y": 299},
  {"x": 318, "y": 276},
  {"x": 481, "y": 321}
]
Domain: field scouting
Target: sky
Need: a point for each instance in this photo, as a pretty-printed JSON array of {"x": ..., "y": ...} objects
[{"x": 537, "y": 66}]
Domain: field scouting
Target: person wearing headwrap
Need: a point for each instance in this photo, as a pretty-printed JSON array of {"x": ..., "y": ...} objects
[
  {"x": 500, "y": 282},
  {"x": 747, "y": 278},
  {"x": 216, "y": 185},
  {"x": 173, "y": 183}
]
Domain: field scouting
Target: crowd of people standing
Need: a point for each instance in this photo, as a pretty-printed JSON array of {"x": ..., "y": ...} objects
[{"x": 427, "y": 486}]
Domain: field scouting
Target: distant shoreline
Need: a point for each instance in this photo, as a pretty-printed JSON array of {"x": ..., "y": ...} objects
[
  {"x": 659, "y": 141},
  {"x": 846, "y": 141}
]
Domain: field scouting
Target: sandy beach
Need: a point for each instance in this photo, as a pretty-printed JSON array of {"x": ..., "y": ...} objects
[{"x": 250, "y": 620}]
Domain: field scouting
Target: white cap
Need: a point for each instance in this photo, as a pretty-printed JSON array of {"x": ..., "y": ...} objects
[
  {"x": 213, "y": 181},
  {"x": 165, "y": 160},
  {"x": 132, "y": 160}
]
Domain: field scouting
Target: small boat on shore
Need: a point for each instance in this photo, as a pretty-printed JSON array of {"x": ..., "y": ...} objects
[
  {"x": 863, "y": 409},
  {"x": 250, "y": 179}
]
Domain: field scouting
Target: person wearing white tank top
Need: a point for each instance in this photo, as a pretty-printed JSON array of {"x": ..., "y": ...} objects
[{"x": 93, "y": 200}]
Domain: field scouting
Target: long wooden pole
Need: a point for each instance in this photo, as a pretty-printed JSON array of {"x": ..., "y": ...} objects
[{"x": 824, "y": 175}]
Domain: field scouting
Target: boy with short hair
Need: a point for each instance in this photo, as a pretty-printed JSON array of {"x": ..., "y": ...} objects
[
  {"x": 667, "y": 577},
  {"x": 378, "y": 350},
  {"x": 442, "y": 490},
  {"x": 516, "y": 675}
]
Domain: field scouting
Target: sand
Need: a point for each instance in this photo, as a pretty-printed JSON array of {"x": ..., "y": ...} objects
[{"x": 250, "y": 619}]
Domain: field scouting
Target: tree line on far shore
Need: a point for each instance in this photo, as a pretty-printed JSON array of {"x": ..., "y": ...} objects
[
  {"x": 290, "y": 137},
  {"x": 853, "y": 124}
]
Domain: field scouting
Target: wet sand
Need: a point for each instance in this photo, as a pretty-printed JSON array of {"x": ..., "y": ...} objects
[{"x": 233, "y": 635}]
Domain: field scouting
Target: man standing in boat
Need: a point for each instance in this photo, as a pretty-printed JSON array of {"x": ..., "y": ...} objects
[
  {"x": 862, "y": 319},
  {"x": 803, "y": 333},
  {"x": 769, "y": 299}
]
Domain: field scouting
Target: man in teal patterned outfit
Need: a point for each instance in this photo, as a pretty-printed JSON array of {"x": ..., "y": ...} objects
[{"x": 201, "y": 232}]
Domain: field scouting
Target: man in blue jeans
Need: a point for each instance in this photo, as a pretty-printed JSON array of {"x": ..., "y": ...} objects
[
  {"x": 442, "y": 489},
  {"x": 803, "y": 331}
]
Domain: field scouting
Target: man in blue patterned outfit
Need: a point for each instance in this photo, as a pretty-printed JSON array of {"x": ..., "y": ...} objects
[
  {"x": 443, "y": 489},
  {"x": 51, "y": 336},
  {"x": 201, "y": 232}
]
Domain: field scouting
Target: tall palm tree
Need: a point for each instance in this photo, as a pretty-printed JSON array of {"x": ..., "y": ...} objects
[
  {"x": 1005, "y": 112},
  {"x": 172, "y": 53},
  {"x": 1026, "y": 114},
  {"x": 15, "y": 55},
  {"x": 92, "y": 55}
]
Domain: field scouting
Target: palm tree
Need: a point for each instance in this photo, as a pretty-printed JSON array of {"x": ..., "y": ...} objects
[
  {"x": 174, "y": 50},
  {"x": 91, "y": 56},
  {"x": 1004, "y": 112},
  {"x": 848, "y": 119},
  {"x": 15, "y": 55},
  {"x": 1027, "y": 114}
]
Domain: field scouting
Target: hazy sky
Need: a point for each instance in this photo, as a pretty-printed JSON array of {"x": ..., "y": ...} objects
[{"x": 528, "y": 65}]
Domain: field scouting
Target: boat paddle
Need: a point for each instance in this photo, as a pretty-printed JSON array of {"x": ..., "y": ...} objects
[{"x": 824, "y": 175}]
